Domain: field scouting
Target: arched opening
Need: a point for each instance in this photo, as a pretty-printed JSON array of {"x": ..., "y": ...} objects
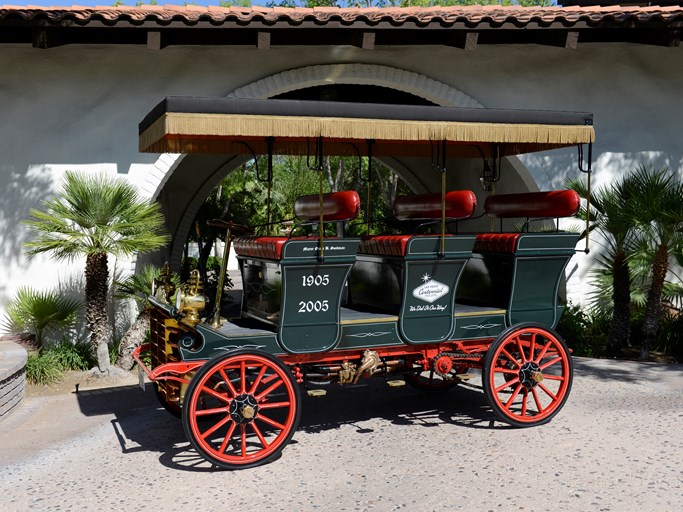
[{"x": 190, "y": 178}]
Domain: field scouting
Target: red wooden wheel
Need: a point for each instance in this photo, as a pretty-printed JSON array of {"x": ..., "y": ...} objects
[
  {"x": 527, "y": 375},
  {"x": 241, "y": 409}
]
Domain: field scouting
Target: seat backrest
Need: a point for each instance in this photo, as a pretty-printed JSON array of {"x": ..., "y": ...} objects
[
  {"x": 460, "y": 204},
  {"x": 336, "y": 206},
  {"x": 553, "y": 204}
]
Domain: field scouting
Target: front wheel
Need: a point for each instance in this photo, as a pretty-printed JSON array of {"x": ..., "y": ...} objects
[
  {"x": 241, "y": 409},
  {"x": 527, "y": 375}
]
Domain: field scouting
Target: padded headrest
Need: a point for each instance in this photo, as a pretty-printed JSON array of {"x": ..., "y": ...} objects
[
  {"x": 556, "y": 203},
  {"x": 459, "y": 204},
  {"x": 337, "y": 206}
]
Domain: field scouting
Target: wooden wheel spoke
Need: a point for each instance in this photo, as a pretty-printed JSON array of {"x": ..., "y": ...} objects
[
  {"x": 507, "y": 384},
  {"x": 509, "y": 356},
  {"x": 232, "y": 389},
  {"x": 547, "y": 391},
  {"x": 521, "y": 349},
  {"x": 541, "y": 355},
  {"x": 539, "y": 406},
  {"x": 269, "y": 421},
  {"x": 217, "y": 410},
  {"x": 257, "y": 381},
  {"x": 258, "y": 433},
  {"x": 244, "y": 440},
  {"x": 269, "y": 390},
  {"x": 243, "y": 376},
  {"x": 216, "y": 394},
  {"x": 515, "y": 393},
  {"x": 553, "y": 377},
  {"x": 524, "y": 399},
  {"x": 506, "y": 371},
  {"x": 273, "y": 405},
  {"x": 558, "y": 359},
  {"x": 226, "y": 439},
  {"x": 532, "y": 347},
  {"x": 216, "y": 426}
]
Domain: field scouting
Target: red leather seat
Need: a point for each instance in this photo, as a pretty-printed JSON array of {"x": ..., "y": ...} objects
[
  {"x": 553, "y": 204},
  {"x": 268, "y": 247},
  {"x": 496, "y": 242},
  {"x": 384, "y": 245},
  {"x": 460, "y": 204},
  {"x": 337, "y": 206}
]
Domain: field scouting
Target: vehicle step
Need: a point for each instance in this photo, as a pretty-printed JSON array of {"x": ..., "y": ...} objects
[
  {"x": 316, "y": 392},
  {"x": 396, "y": 383}
]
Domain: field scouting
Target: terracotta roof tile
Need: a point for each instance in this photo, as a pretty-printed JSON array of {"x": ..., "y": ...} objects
[{"x": 493, "y": 15}]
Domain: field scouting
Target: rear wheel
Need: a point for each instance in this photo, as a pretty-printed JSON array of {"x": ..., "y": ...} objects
[
  {"x": 527, "y": 375},
  {"x": 241, "y": 409}
]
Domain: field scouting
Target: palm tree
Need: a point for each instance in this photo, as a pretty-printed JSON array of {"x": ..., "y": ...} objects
[
  {"x": 658, "y": 211},
  {"x": 96, "y": 216},
  {"x": 611, "y": 217},
  {"x": 137, "y": 287}
]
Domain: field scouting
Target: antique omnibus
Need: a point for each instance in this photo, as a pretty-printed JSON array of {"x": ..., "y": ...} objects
[{"x": 424, "y": 307}]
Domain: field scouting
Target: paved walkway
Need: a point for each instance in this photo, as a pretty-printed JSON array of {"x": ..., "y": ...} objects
[{"x": 617, "y": 445}]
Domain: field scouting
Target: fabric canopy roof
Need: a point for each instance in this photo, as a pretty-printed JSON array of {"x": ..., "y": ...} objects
[{"x": 222, "y": 125}]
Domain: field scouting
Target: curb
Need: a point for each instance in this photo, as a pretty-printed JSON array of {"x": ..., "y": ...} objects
[{"x": 13, "y": 359}]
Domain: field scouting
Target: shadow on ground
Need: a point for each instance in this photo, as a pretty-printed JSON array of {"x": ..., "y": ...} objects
[{"x": 142, "y": 425}]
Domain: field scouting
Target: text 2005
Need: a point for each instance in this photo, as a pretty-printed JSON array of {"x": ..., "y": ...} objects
[{"x": 311, "y": 306}]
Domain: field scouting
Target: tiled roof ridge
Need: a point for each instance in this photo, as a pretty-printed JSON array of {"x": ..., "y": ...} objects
[{"x": 472, "y": 14}]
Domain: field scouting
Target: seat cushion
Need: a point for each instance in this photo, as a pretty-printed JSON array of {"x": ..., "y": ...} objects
[
  {"x": 496, "y": 242},
  {"x": 459, "y": 204},
  {"x": 553, "y": 204},
  {"x": 268, "y": 247},
  {"x": 384, "y": 245},
  {"x": 336, "y": 206}
]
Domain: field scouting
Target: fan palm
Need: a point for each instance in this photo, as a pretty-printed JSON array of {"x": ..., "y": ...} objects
[
  {"x": 96, "y": 216},
  {"x": 658, "y": 212},
  {"x": 611, "y": 217},
  {"x": 40, "y": 313}
]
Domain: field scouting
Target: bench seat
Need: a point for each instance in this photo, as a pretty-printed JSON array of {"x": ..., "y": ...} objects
[
  {"x": 267, "y": 247},
  {"x": 496, "y": 243}
]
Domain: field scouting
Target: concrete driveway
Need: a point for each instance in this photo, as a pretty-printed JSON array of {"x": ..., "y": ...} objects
[{"x": 617, "y": 445}]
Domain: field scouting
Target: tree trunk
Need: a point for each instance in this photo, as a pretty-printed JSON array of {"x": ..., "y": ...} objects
[
  {"x": 653, "y": 305},
  {"x": 96, "y": 288},
  {"x": 620, "y": 329},
  {"x": 132, "y": 339}
]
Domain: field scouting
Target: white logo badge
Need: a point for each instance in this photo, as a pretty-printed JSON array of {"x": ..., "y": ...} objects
[{"x": 430, "y": 290}]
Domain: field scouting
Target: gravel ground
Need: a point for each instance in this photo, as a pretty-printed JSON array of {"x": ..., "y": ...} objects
[{"x": 617, "y": 445}]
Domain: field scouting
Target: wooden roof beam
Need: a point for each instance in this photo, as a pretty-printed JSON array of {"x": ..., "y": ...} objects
[
  {"x": 464, "y": 40},
  {"x": 44, "y": 38},
  {"x": 364, "y": 40}
]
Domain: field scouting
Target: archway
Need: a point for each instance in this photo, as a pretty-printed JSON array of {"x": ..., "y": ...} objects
[{"x": 184, "y": 181}]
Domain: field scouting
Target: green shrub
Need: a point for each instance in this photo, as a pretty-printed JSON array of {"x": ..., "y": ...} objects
[
  {"x": 585, "y": 331},
  {"x": 73, "y": 356},
  {"x": 40, "y": 313},
  {"x": 43, "y": 369}
]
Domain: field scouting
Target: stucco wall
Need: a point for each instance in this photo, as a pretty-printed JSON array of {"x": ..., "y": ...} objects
[{"x": 77, "y": 107}]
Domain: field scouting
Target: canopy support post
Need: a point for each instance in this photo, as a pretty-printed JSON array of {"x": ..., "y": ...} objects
[{"x": 588, "y": 170}]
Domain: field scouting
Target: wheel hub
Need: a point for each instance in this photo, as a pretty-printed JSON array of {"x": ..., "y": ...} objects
[
  {"x": 530, "y": 375},
  {"x": 443, "y": 365},
  {"x": 243, "y": 409}
]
